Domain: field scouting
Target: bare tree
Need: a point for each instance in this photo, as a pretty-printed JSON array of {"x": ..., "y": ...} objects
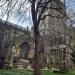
[{"x": 36, "y": 10}]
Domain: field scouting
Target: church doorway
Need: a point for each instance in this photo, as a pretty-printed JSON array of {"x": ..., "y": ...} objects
[{"x": 24, "y": 50}]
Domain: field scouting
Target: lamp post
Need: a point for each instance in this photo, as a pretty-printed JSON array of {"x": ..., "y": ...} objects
[{"x": 12, "y": 55}]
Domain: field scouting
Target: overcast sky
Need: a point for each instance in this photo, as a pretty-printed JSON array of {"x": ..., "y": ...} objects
[{"x": 21, "y": 18}]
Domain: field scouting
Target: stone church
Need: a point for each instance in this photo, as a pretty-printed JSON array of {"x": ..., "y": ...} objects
[
  {"x": 17, "y": 43},
  {"x": 54, "y": 32}
]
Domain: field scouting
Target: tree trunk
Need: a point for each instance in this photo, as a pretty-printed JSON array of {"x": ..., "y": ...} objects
[
  {"x": 36, "y": 57},
  {"x": 36, "y": 39}
]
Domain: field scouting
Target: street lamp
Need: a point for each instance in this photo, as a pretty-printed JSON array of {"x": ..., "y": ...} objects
[
  {"x": 13, "y": 49},
  {"x": 12, "y": 55}
]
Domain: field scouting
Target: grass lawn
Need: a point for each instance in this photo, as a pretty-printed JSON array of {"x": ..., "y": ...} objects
[{"x": 30, "y": 72}]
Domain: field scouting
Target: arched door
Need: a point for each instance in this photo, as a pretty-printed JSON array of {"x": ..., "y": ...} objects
[{"x": 24, "y": 50}]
